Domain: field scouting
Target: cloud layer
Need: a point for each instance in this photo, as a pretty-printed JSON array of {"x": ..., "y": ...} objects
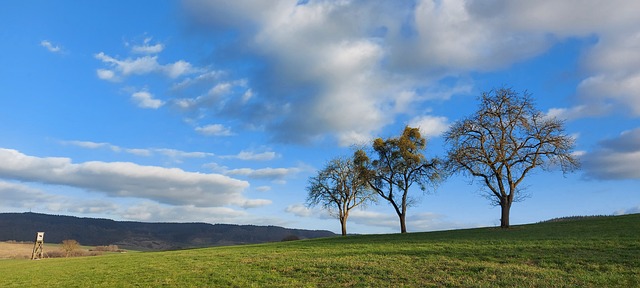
[
  {"x": 616, "y": 158},
  {"x": 123, "y": 179},
  {"x": 349, "y": 68}
]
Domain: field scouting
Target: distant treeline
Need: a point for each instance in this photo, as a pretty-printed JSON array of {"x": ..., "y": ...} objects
[
  {"x": 140, "y": 235},
  {"x": 574, "y": 218}
]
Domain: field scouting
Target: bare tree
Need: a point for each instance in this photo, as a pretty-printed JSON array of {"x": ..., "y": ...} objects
[
  {"x": 399, "y": 165},
  {"x": 70, "y": 247},
  {"x": 503, "y": 141},
  {"x": 339, "y": 188}
]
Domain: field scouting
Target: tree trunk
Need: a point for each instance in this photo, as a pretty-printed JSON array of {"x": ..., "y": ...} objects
[
  {"x": 343, "y": 223},
  {"x": 403, "y": 223},
  {"x": 505, "y": 205}
]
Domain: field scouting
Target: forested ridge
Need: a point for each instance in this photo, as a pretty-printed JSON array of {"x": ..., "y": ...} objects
[{"x": 141, "y": 235}]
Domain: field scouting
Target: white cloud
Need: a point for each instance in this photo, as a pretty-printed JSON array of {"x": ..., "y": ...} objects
[
  {"x": 86, "y": 207},
  {"x": 616, "y": 158},
  {"x": 106, "y": 74},
  {"x": 124, "y": 179},
  {"x": 141, "y": 66},
  {"x": 144, "y": 99},
  {"x": 301, "y": 210},
  {"x": 348, "y": 68},
  {"x": 419, "y": 221},
  {"x": 150, "y": 211},
  {"x": 139, "y": 152},
  {"x": 50, "y": 46},
  {"x": 312, "y": 44},
  {"x": 214, "y": 130},
  {"x": 249, "y": 155},
  {"x": 572, "y": 113},
  {"x": 348, "y": 138},
  {"x": 22, "y": 196},
  {"x": 178, "y": 69},
  {"x": 86, "y": 144},
  {"x": 264, "y": 173},
  {"x": 147, "y": 48},
  {"x": 430, "y": 126},
  {"x": 253, "y": 203},
  {"x": 202, "y": 79},
  {"x": 174, "y": 154}
]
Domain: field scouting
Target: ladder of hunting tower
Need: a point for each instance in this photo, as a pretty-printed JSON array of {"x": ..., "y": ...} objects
[{"x": 37, "y": 247}]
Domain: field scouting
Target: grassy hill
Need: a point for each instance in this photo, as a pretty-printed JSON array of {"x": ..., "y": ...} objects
[{"x": 591, "y": 252}]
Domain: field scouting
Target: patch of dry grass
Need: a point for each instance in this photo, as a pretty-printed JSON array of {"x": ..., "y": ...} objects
[
  {"x": 23, "y": 250},
  {"x": 16, "y": 250}
]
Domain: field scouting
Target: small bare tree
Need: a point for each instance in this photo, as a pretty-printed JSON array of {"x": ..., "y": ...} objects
[
  {"x": 70, "y": 247},
  {"x": 339, "y": 188},
  {"x": 503, "y": 141}
]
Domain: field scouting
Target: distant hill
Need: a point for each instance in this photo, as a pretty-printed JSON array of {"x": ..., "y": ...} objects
[{"x": 141, "y": 235}]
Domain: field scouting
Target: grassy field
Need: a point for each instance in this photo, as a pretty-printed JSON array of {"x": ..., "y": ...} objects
[{"x": 594, "y": 252}]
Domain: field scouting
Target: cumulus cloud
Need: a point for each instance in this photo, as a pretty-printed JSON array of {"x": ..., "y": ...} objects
[
  {"x": 214, "y": 130},
  {"x": 430, "y": 126},
  {"x": 144, "y": 99},
  {"x": 611, "y": 64},
  {"x": 322, "y": 73},
  {"x": 348, "y": 68},
  {"x": 50, "y": 46},
  {"x": 615, "y": 158},
  {"x": 124, "y": 179}
]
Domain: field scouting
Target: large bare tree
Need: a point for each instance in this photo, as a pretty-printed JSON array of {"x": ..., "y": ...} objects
[
  {"x": 339, "y": 187},
  {"x": 503, "y": 141},
  {"x": 400, "y": 164}
]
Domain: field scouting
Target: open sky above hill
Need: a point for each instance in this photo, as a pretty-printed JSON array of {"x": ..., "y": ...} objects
[{"x": 219, "y": 111}]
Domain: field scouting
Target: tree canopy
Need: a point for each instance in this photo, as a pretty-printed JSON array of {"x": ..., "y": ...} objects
[
  {"x": 400, "y": 164},
  {"x": 503, "y": 141},
  {"x": 339, "y": 187}
]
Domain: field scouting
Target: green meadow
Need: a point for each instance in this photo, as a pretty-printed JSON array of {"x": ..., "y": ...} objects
[{"x": 589, "y": 252}]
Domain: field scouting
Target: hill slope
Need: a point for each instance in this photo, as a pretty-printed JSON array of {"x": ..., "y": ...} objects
[
  {"x": 139, "y": 235},
  {"x": 594, "y": 252}
]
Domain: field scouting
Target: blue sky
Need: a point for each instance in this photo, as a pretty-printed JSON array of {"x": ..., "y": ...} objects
[{"x": 219, "y": 111}]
